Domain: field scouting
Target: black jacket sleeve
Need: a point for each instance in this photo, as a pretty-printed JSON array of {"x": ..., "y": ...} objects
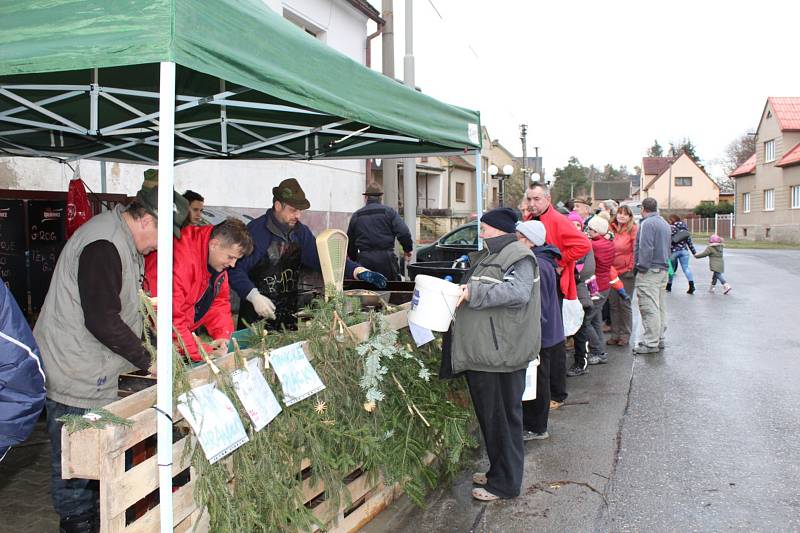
[
  {"x": 99, "y": 284},
  {"x": 402, "y": 232}
]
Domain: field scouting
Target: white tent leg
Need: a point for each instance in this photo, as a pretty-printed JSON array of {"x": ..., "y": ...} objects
[
  {"x": 166, "y": 180},
  {"x": 478, "y": 195}
]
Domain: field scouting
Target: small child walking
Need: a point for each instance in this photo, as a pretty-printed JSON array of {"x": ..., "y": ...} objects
[{"x": 716, "y": 263}]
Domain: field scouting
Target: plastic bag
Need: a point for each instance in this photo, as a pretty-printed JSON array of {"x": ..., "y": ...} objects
[
  {"x": 530, "y": 381},
  {"x": 78, "y": 208},
  {"x": 572, "y": 314}
]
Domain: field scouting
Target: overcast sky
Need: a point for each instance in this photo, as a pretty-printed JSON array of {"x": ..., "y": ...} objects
[{"x": 602, "y": 80}]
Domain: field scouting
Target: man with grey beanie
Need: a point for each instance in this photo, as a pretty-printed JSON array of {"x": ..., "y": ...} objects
[{"x": 535, "y": 413}]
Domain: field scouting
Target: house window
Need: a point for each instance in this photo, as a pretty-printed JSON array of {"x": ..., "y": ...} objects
[
  {"x": 769, "y": 151},
  {"x": 683, "y": 182},
  {"x": 795, "y": 197},
  {"x": 460, "y": 192},
  {"x": 769, "y": 199},
  {"x": 746, "y": 202},
  {"x": 304, "y": 24}
]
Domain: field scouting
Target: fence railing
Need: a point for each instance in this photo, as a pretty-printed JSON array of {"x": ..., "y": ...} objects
[{"x": 722, "y": 225}]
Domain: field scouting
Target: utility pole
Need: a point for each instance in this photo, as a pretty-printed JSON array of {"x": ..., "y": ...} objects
[
  {"x": 390, "y": 187},
  {"x": 523, "y": 136},
  {"x": 410, "y": 164}
]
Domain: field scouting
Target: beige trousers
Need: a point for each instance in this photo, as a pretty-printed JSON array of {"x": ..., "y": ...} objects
[{"x": 652, "y": 294}]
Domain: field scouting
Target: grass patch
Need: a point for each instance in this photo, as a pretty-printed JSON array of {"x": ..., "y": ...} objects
[{"x": 702, "y": 238}]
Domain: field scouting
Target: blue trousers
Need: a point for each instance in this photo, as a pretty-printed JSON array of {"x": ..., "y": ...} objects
[
  {"x": 681, "y": 256},
  {"x": 71, "y": 497},
  {"x": 717, "y": 276}
]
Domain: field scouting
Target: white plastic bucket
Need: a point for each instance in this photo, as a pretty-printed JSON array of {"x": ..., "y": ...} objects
[{"x": 434, "y": 302}]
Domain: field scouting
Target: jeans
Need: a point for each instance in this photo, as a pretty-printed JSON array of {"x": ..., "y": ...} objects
[
  {"x": 717, "y": 276},
  {"x": 681, "y": 256},
  {"x": 651, "y": 290},
  {"x": 71, "y": 497},
  {"x": 594, "y": 324}
]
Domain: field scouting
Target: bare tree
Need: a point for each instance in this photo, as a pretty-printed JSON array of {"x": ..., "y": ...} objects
[{"x": 738, "y": 151}]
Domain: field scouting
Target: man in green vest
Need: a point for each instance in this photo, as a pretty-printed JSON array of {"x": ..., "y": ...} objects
[
  {"x": 496, "y": 333},
  {"x": 90, "y": 328}
]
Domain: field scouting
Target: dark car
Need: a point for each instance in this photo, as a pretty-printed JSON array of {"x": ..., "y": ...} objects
[{"x": 462, "y": 240}]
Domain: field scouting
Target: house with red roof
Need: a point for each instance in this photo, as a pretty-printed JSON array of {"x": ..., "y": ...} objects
[
  {"x": 676, "y": 182},
  {"x": 768, "y": 184}
]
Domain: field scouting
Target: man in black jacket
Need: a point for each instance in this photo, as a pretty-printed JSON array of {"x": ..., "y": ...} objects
[{"x": 372, "y": 232}]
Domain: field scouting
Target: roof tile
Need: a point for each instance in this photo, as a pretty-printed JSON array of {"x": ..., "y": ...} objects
[
  {"x": 790, "y": 158},
  {"x": 746, "y": 168},
  {"x": 787, "y": 111}
]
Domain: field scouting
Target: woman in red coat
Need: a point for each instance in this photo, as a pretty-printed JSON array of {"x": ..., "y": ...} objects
[{"x": 624, "y": 230}]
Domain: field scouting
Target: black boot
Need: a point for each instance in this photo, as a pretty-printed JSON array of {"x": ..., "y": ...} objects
[
  {"x": 691, "y": 288},
  {"x": 669, "y": 286},
  {"x": 84, "y": 523}
]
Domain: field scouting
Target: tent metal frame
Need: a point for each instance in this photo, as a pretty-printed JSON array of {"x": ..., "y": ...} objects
[{"x": 120, "y": 136}]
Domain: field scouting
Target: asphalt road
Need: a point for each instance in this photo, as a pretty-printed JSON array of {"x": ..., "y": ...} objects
[{"x": 702, "y": 437}]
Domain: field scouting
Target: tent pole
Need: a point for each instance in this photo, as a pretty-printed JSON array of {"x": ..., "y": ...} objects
[
  {"x": 166, "y": 180},
  {"x": 478, "y": 195}
]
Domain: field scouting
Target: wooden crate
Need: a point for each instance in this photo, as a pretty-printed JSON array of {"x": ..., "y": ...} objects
[{"x": 101, "y": 454}]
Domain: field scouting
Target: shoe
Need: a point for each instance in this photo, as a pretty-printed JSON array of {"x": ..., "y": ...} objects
[
  {"x": 554, "y": 405},
  {"x": 642, "y": 349},
  {"x": 669, "y": 287},
  {"x": 712, "y": 288},
  {"x": 691, "y": 288},
  {"x": 613, "y": 342},
  {"x": 623, "y": 341},
  {"x": 662, "y": 345},
  {"x": 479, "y": 478},
  {"x": 727, "y": 288},
  {"x": 606, "y": 328},
  {"x": 532, "y": 435},
  {"x": 484, "y": 495},
  {"x": 576, "y": 371},
  {"x": 84, "y": 523},
  {"x": 598, "y": 359}
]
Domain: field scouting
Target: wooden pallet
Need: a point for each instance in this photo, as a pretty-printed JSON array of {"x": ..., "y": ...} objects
[{"x": 128, "y": 493}]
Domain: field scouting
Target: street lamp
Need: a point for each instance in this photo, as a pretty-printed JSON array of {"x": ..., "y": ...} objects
[{"x": 506, "y": 172}]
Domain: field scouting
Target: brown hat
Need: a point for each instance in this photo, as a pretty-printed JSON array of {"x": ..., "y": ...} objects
[
  {"x": 289, "y": 192},
  {"x": 585, "y": 200},
  {"x": 148, "y": 198},
  {"x": 373, "y": 189}
]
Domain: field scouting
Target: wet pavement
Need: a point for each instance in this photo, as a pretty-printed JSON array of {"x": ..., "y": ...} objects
[{"x": 702, "y": 437}]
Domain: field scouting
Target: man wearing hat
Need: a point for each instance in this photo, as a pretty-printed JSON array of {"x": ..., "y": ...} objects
[
  {"x": 495, "y": 334},
  {"x": 89, "y": 330},
  {"x": 372, "y": 232},
  {"x": 267, "y": 280}
]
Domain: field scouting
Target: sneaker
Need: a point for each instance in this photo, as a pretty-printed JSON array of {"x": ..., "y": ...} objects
[
  {"x": 728, "y": 289},
  {"x": 712, "y": 288},
  {"x": 642, "y": 349},
  {"x": 598, "y": 359},
  {"x": 532, "y": 435},
  {"x": 576, "y": 371},
  {"x": 554, "y": 405}
]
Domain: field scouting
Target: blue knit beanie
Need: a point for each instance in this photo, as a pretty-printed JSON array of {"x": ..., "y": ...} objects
[{"x": 502, "y": 218}]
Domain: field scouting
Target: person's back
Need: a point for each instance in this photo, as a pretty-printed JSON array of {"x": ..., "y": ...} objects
[{"x": 604, "y": 259}]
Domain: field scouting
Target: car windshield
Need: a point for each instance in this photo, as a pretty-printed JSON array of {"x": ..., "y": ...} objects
[
  {"x": 636, "y": 209},
  {"x": 462, "y": 236}
]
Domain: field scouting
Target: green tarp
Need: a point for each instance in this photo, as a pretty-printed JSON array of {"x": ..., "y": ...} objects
[{"x": 286, "y": 94}]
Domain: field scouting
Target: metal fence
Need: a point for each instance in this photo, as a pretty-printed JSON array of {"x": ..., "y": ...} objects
[{"x": 722, "y": 225}]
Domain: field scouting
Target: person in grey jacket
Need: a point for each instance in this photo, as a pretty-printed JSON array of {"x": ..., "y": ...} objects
[
  {"x": 496, "y": 333},
  {"x": 651, "y": 254}
]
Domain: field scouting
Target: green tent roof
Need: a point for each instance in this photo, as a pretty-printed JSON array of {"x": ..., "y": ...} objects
[{"x": 80, "y": 78}]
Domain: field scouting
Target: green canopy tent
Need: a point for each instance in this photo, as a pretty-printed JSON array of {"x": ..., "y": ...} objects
[{"x": 224, "y": 79}]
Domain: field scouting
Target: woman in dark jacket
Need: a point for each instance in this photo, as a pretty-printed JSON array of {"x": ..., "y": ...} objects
[{"x": 680, "y": 251}]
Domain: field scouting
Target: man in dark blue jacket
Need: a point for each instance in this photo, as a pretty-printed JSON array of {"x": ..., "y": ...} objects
[
  {"x": 21, "y": 375},
  {"x": 371, "y": 233},
  {"x": 535, "y": 413},
  {"x": 267, "y": 280}
]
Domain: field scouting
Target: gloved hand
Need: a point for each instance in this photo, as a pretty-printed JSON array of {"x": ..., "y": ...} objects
[
  {"x": 263, "y": 305},
  {"x": 373, "y": 278},
  {"x": 623, "y": 294}
]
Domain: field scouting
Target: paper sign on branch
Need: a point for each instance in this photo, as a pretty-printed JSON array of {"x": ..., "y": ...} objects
[
  {"x": 255, "y": 394},
  {"x": 298, "y": 378},
  {"x": 214, "y": 420}
]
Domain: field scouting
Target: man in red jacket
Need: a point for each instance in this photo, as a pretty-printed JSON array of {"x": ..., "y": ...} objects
[
  {"x": 200, "y": 290},
  {"x": 572, "y": 244}
]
